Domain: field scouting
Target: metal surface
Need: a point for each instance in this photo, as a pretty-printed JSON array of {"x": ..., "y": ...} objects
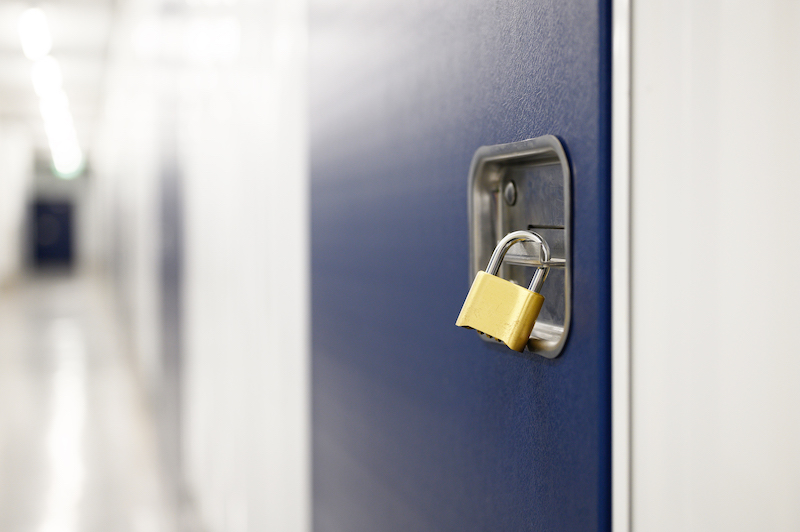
[
  {"x": 540, "y": 172},
  {"x": 518, "y": 237},
  {"x": 510, "y": 193}
]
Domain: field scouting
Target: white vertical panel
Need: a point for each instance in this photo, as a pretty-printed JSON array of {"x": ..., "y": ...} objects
[
  {"x": 125, "y": 165},
  {"x": 16, "y": 161},
  {"x": 620, "y": 261},
  {"x": 243, "y": 154},
  {"x": 236, "y": 72},
  {"x": 715, "y": 255}
]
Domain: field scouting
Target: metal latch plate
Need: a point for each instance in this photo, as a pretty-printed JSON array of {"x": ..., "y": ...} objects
[{"x": 526, "y": 186}]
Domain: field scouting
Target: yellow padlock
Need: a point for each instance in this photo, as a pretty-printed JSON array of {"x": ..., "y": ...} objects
[{"x": 499, "y": 308}]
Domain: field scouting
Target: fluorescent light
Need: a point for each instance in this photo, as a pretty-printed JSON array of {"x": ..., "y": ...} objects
[
  {"x": 68, "y": 166},
  {"x": 55, "y": 108},
  {"x": 68, "y": 159},
  {"x": 46, "y": 76},
  {"x": 34, "y": 34},
  {"x": 47, "y": 80}
]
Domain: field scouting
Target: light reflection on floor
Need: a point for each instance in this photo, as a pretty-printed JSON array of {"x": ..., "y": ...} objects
[
  {"x": 77, "y": 441},
  {"x": 66, "y": 429}
]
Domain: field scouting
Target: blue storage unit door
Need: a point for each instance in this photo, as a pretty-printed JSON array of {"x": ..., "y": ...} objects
[
  {"x": 52, "y": 233},
  {"x": 417, "y": 424}
]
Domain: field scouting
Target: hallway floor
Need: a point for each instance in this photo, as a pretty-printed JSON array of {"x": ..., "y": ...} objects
[{"x": 78, "y": 446}]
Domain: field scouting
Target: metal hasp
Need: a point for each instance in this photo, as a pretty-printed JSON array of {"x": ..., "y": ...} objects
[{"x": 525, "y": 186}]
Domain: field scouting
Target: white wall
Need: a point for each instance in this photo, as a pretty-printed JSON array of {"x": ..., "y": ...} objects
[
  {"x": 715, "y": 255},
  {"x": 16, "y": 167},
  {"x": 125, "y": 158},
  {"x": 236, "y": 71},
  {"x": 243, "y": 139}
]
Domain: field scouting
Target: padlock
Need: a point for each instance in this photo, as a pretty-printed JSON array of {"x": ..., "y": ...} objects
[{"x": 499, "y": 308}]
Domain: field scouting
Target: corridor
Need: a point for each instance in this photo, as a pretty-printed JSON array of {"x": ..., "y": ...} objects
[{"x": 77, "y": 440}]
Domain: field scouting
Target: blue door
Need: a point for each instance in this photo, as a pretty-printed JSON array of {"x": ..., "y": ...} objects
[
  {"x": 52, "y": 233},
  {"x": 417, "y": 424}
]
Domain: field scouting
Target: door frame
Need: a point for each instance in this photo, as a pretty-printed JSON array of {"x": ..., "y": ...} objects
[{"x": 621, "y": 266}]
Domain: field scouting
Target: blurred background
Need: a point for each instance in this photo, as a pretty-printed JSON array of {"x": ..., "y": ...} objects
[{"x": 152, "y": 153}]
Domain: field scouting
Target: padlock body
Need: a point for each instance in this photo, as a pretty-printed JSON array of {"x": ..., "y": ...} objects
[{"x": 501, "y": 309}]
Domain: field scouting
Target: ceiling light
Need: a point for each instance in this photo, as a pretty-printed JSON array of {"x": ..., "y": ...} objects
[
  {"x": 46, "y": 76},
  {"x": 67, "y": 162},
  {"x": 55, "y": 108},
  {"x": 34, "y": 34}
]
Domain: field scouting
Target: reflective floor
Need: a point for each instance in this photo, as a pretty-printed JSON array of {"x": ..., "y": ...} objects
[{"x": 77, "y": 442}]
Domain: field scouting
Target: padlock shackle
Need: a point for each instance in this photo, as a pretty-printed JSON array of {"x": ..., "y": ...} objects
[{"x": 509, "y": 240}]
